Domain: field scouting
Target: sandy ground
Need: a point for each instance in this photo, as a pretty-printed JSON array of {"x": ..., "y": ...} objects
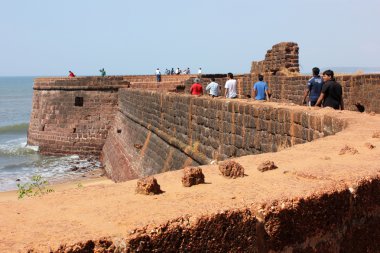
[{"x": 103, "y": 208}]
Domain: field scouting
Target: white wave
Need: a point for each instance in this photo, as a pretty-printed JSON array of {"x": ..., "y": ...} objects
[
  {"x": 34, "y": 148},
  {"x": 52, "y": 169}
]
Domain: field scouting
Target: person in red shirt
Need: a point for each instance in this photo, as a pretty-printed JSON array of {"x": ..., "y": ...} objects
[
  {"x": 71, "y": 74},
  {"x": 196, "y": 88}
]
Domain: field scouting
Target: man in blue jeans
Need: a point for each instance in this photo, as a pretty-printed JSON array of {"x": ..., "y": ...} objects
[
  {"x": 314, "y": 88},
  {"x": 260, "y": 89}
]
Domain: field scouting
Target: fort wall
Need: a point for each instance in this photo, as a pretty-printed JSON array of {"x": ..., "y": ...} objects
[
  {"x": 73, "y": 116},
  {"x": 58, "y": 126},
  {"x": 164, "y": 131},
  {"x": 139, "y": 128}
]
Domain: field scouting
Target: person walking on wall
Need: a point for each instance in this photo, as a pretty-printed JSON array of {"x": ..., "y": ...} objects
[
  {"x": 213, "y": 88},
  {"x": 260, "y": 89},
  {"x": 314, "y": 88},
  {"x": 200, "y": 72},
  {"x": 332, "y": 93},
  {"x": 230, "y": 87},
  {"x": 196, "y": 88},
  {"x": 102, "y": 72},
  {"x": 71, "y": 74},
  {"x": 158, "y": 75}
]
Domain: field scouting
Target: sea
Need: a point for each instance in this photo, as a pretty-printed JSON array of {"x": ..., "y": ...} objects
[{"x": 20, "y": 162}]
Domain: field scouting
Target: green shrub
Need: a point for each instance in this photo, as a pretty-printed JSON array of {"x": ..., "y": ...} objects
[{"x": 36, "y": 187}]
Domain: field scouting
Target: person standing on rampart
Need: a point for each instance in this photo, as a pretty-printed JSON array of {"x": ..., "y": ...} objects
[
  {"x": 314, "y": 88},
  {"x": 332, "y": 93},
  {"x": 71, "y": 74},
  {"x": 102, "y": 72},
  {"x": 213, "y": 88},
  {"x": 158, "y": 75},
  {"x": 200, "y": 72},
  {"x": 196, "y": 88},
  {"x": 260, "y": 89},
  {"x": 230, "y": 87}
]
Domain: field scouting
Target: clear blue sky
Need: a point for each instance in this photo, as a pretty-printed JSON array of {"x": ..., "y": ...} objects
[{"x": 45, "y": 37}]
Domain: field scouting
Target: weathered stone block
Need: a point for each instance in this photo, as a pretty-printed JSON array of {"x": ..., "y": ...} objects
[
  {"x": 192, "y": 176},
  {"x": 148, "y": 186},
  {"x": 267, "y": 165},
  {"x": 231, "y": 169}
]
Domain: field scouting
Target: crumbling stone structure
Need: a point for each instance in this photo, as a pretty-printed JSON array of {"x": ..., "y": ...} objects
[{"x": 283, "y": 57}]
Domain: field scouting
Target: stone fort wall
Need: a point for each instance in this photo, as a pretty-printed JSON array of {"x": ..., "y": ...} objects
[
  {"x": 73, "y": 116},
  {"x": 59, "y": 126},
  {"x": 163, "y": 131},
  {"x": 139, "y": 132}
]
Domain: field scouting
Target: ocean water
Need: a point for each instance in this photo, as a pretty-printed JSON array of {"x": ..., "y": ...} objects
[{"x": 19, "y": 162}]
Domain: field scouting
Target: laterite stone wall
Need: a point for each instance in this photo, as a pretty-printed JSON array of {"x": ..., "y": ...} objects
[
  {"x": 164, "y": 130},
  {"x": 73, "y": 115}
]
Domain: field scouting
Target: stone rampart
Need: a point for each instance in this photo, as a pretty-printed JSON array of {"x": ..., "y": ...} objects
[
  {"x": 329, "y": 204},
  {"x": 363, "y": 89},
  {"x": 73, "y": 115},
  {"x": 165, "y": 131}
]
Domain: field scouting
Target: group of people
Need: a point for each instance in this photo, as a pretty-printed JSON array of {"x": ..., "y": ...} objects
[
  {"x": 175, "y": 72},
  {"x": 214, "y": 89},
  {"x": 260, "y": 88},
  {"x": 322, "y": 91},
  {"x": 171, "y": 72},
  {"x": 102, "y": 73}
]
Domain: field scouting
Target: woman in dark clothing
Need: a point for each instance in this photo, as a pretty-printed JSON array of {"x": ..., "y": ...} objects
[{"x": 332, "y": 94}]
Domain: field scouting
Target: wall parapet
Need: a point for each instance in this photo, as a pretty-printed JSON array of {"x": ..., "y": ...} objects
[{"x": 80, "y": 83}]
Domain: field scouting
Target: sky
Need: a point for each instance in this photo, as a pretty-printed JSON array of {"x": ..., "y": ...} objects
[{"x": 49, "y": 38}]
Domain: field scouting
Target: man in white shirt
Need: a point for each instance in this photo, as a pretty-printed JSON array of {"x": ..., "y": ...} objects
[
  {"x": 213, "y": 87},
  {"x": 158, "y": 75},
  {"x": 230, "y": 87},
  {"x": 200, "y": 72}
]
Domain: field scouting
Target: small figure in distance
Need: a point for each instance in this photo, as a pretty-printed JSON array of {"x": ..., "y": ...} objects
[
  {"x": 177, "y": 72},
  {"x": 158, "y": 75},
  {"x": 230, "y": 87},
  {"x": 196, "y": 88},
  {"x": 102, "y": 72},
  {"x": 71, "y": 74},
  {"x": 172, "y": 72},
  {"x": 167, "y": 72},
  {"x": 200, "y": 72},
  {"x": 260, "y": 89},
  {"x": 331, "y": 94},
  {"x": 213, "y": 88},
  {"x": 314, "y": 88},
  {"x": 188, "y": 71}
]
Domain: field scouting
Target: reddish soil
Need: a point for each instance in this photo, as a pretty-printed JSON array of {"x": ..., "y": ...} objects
[{"x": 105, "y": 209}]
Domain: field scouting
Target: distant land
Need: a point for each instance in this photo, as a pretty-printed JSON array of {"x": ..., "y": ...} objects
[{"x": 350, "y": 70}]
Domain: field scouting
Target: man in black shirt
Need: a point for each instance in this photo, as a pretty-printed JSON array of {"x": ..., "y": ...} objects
[{"x": 331, "y": 95}]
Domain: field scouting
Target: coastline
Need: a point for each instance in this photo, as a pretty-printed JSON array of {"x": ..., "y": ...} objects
[{"x": 94, "y": 177}]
